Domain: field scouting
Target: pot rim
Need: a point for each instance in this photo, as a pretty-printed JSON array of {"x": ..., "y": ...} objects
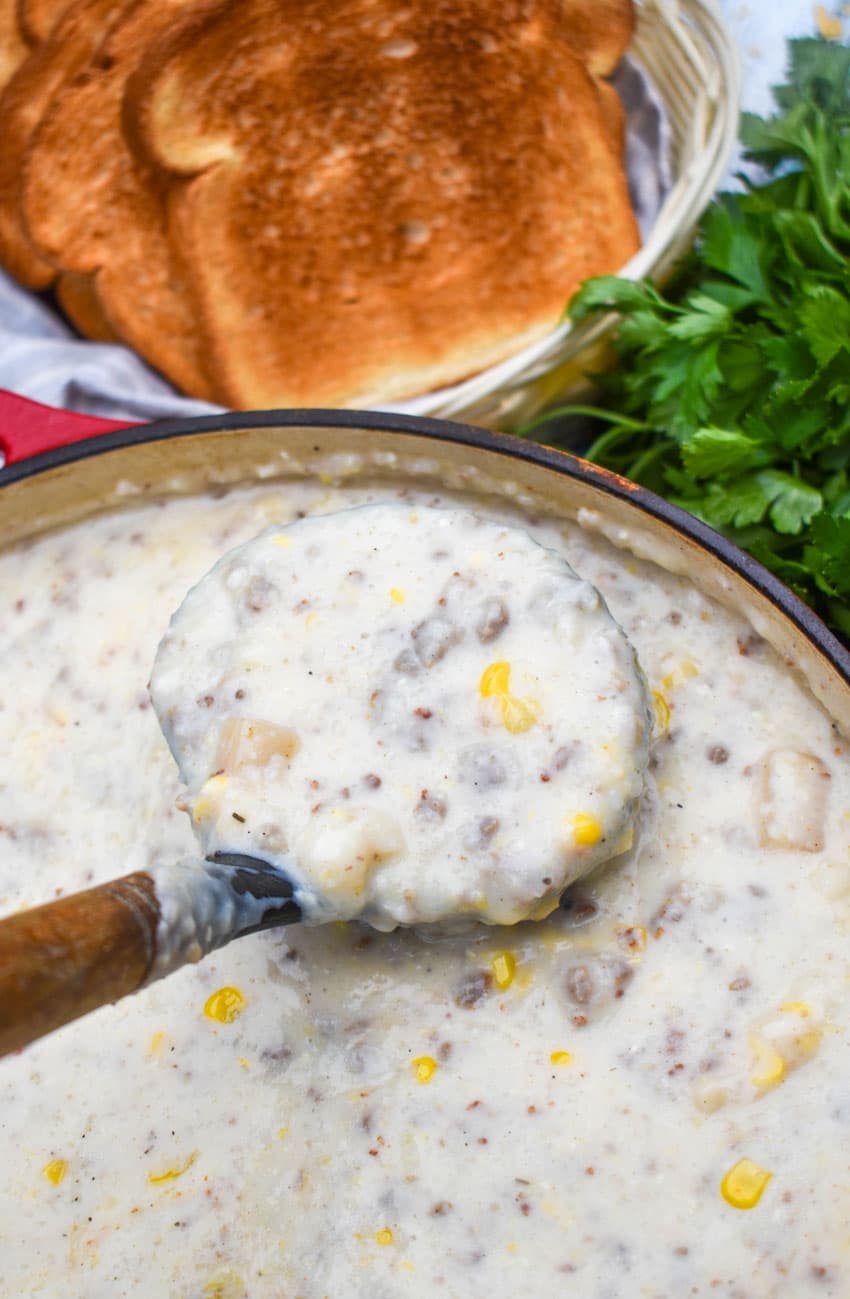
[{"x": 504, "y": 444}]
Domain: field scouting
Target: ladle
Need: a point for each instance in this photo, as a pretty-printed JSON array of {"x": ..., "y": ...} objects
[
  {"x": 76, "y": 953},
  {"x": 70, "y": 956}
]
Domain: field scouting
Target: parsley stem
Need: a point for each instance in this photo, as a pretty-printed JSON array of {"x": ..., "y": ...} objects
[
  {"x": 648, "y": 458},
  {"x": 604, "y": 444},
  {"x": 593, "y": 412}
]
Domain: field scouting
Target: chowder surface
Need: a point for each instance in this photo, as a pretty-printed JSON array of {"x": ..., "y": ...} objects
[
  {"x": 419, "y": 715},
  {"x": 553, "y": 1109}
]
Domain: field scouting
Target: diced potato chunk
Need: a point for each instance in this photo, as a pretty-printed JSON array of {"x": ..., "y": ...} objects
[
  {"x": 253, "y": 743},
  {"x": 710, "y": 1093},
  {"x": 792, "y": 801},
  {"x": 341, "y": 848},
  {"x": 832, "y": 879}
]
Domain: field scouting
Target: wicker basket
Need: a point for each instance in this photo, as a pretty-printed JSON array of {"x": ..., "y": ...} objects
[{"x": 692, "y": 62}]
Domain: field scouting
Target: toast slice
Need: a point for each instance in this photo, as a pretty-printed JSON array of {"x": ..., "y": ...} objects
[
  {"x": 600, "y": 31},
  {"x": 37, "y": 18},
  {"x": 13, "y": 47},
  {"x": 26, "y": 97},
  {"x": 114, "y": 226},
  {"x": 381, "y": 199},
  {"x": 78, "y": 298}
]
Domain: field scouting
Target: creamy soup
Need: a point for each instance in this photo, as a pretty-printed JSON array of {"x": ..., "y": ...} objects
[
  {"x": 416, "y": 714},
  {"x": 644, "y": 1094}
]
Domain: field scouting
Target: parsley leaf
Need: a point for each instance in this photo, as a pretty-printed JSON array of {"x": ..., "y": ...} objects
[
  {"x": 825, "y": 322},
  {"x": 731, "y": 395},
  {"x": 793, "y": 502},
  {"x": 718, "y": 451}
]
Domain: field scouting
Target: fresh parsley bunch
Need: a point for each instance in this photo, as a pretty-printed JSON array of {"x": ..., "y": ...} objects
[{"x": 732, "y": 392}]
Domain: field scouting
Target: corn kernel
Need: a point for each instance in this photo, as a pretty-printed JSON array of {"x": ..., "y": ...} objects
[
  {"x": 397, "y": 595},
  {"x": 227, "y": 1286},
  {"x": 225, "y": 1005},
  {"x": 743, "y": 1185},
  {"x": 156, "y": 1043},
  {"x": 424, "y": 1067},
  {"x": 384, "y": 1236},
  {"x": 171, "y": 1174},
  {"x": 784, "y": 1042},
  {"x": 495, "y": 679},
  {"x": 680, "y": 674},
  {"x": 561, "y": 1057},
  {"x": 55, "y": 1170},
  {"x": 544, "y": 908},
  {"x": 208, "y": 801},
  {"x": 517, "y": 715},
  {"x": 504, "y": 969},
  {"x": 769, "y": 1064},
  {"x": 801, "y": 1008},
  {"x": 662, "y": 713},
  {"x": 805, "y": 1044},
  {"x": 625, "y": 841},
  {"x": 587, "y": 830}
]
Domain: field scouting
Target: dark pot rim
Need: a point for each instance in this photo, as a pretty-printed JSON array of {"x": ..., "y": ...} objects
[{"x": 504, "y": 444}]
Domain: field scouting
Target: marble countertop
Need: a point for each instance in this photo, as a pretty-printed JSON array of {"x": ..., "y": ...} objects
[{"x": 761, "y": 28}]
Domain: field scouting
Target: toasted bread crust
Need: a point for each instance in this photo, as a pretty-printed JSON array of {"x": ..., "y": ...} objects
[
  {"x": 179, "y": 34},
  {"x": 316, "y": 202},
  {"x": 78, "y": 298},
  {"x": 115, "y": 229},
  {"x": 37, "y": 18},
  {"x": 22, "y": 104},
  {"x": 13, "y": 47},
  {"x": 614, "y": 114},
  {"x": 388, "y": 208},
  {"x": 600, "y": 31}
]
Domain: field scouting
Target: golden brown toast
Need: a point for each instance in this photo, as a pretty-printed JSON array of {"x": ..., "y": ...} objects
[
  {"x": 600, "y": 31},
  {"x": 380, "y": 199},
  {"x": 37, "y": 18},
  {"x": 78, "y": 298},
  {"x": 114, "y": 228},
  {"x": 26, "y": 97},
  {"x": 614, "y": 114},
  {"x": 13, "y": 47}
]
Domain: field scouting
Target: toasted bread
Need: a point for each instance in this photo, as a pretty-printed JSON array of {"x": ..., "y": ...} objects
[
  {"x": 27, "y": 95},
  {"x": 37, "y": 18},
  {"x": 380, "y": 199},
  {"x": 13, "y": 47},
  {"x": 114, "y": 229},
  {"x": 614, "y": 114},
  {"x": 78, "y": 298},
  {"x": 600, "y": 31}
]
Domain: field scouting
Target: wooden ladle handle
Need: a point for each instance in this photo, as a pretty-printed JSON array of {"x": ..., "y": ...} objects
[{"x": 61, "y": 960}]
